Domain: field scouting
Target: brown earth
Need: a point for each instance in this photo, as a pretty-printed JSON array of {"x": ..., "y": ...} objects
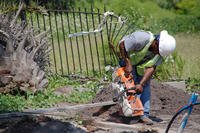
[
  {"x": 38, "y": 124},
  {"x": 165, "y": 100}
]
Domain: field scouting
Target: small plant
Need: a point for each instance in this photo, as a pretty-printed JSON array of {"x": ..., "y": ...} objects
[
  {"x": 80, "y": 97},
  {"x": 171, "y": 68},
  {"x": 59, "y": 81},
  {"x": 193, "y": 84},
  {"x": 47, "y": 98},
  {"x": 10, "y": 103}
]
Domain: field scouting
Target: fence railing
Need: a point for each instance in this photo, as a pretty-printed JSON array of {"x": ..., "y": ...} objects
[{"x": 86, "y": 54}]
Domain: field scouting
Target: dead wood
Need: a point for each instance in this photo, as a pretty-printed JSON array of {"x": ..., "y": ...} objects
[{"x": 24, "y": 54}]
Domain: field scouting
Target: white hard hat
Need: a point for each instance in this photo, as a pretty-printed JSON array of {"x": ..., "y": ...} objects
[{"x": 167, "y": 44}]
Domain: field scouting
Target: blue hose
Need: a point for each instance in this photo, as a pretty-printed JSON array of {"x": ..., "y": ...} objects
[
  {"x": 193, "y": 99},
  {"x": 179, "y": 111}
]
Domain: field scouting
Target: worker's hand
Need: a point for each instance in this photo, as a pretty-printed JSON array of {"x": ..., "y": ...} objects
[
  {"x": 139, "y": 88},
  {"x": 127, "y": 73}
]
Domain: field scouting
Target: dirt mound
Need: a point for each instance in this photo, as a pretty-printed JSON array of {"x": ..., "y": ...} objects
[
  {"x": 165, "y": 100},
  {"x": 38, "y": 124}
]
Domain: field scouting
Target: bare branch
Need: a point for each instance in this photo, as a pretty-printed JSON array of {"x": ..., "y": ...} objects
[{"x": 17, "y": 14}]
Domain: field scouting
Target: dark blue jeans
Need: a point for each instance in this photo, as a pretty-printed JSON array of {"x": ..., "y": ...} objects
[{"x": 145, "y": 96}]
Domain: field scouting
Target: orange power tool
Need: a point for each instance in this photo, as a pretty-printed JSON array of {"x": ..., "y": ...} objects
[{"x": 131, "y": 105}]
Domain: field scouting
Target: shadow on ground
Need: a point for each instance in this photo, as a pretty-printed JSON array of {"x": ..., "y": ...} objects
[{"x": 39, "y": 124}]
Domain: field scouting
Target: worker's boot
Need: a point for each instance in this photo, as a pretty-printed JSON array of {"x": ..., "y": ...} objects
[{"x": 146, "y": 120}]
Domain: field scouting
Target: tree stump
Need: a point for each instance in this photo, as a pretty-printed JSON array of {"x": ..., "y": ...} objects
[{"x": 23, "y": 55}]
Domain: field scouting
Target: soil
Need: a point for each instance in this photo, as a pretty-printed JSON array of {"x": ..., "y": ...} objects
[
  {"x": 38, "y": 124},
  {"x": 165, "y": 101}
]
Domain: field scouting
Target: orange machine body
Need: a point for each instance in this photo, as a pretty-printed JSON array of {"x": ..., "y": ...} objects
[{"x": 131, "y": 96}]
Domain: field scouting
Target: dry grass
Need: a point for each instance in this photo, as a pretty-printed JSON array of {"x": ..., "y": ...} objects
[{"x": 188, "y": 47}]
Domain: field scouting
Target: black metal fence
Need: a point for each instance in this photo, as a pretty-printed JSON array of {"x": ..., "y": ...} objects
[{"x": 86, "y": 54}]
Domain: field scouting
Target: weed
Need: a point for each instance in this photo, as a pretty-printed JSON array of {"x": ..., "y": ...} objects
[
  {"x": 9, "y": 103},
  {"x": 19, "y": 102},
  {"x": 171, "y": 68},
  {"x": 193, "y": 84}
]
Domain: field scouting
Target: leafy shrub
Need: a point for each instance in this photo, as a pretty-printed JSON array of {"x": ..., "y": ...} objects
[
  {"x": 9, "y": 103},
  {"x": 168, "y": 4},
  {"x": 136, "y": 19},
  {"x": 181, "y": 23}
]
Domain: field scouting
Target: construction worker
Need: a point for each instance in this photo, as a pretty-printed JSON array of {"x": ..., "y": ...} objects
[{"x": 141, "y": 52}]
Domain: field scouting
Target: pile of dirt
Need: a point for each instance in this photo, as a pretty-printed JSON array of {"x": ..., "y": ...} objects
[
  {"x": 38, "y": 124},
  {"x": 165, "y": 100}
]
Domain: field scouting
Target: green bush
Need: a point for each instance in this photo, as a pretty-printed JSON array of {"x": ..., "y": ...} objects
[
  {"x": 168, "y": 4},
  {"x": 181, "y": 23},
  {"x": 157, "y": 15},
  {"x": 9, "y": 103}
]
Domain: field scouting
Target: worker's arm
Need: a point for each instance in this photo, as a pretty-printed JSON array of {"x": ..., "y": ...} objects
[
  {"x": 122, "y": 50},
  {"x": 124, "y": 56},
  {"x": 147, "y": 75}
]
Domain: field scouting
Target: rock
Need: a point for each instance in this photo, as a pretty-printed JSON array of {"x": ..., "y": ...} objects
[{"x": 66, "y": 90}]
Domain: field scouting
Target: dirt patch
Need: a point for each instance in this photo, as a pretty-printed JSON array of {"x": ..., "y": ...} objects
[
  {"x": 38, "y": 124},
  {"x": 165, "y": 101}
]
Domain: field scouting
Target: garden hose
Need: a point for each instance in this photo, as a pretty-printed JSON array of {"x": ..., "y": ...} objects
[{"x": 178, "y": 112}]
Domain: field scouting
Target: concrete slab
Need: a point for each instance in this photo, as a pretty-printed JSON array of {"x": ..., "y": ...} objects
[{"x": 177, "y": 84}]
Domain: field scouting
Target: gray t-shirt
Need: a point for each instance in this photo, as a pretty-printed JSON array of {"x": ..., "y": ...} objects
[{"x": 138, "y": 40}]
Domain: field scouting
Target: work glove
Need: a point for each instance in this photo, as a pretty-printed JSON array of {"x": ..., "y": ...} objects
[{"x": 139, "y": 88}]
